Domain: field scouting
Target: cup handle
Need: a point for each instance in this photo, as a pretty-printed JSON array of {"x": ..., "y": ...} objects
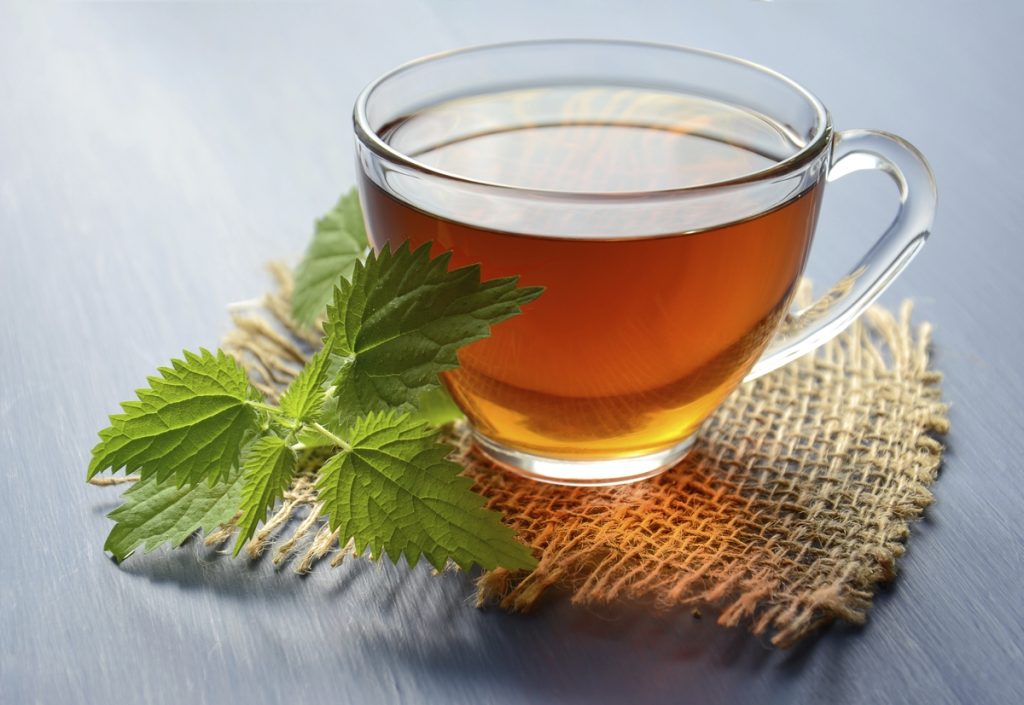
[{"x": 857, "y": 150}]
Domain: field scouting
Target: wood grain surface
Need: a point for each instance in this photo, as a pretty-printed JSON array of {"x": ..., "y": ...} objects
[{"x": 154, "y": 156}]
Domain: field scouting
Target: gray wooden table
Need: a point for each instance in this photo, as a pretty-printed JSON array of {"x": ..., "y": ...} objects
[{"x": 154, "y": 156}]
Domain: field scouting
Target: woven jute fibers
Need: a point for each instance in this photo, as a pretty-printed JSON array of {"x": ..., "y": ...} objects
[{"x": 790, "y": 510}]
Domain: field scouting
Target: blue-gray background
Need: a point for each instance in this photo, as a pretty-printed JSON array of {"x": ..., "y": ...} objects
[{"x": 154, "y": 156}]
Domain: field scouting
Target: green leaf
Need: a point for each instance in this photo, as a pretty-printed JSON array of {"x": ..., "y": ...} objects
[
  {"x": 338, "y": 243},
  {"x": 395, "y": 491},
  {"x": 156, "y": 511},
  {"x": 437, "y": 408},
  {"x": 402, "y": 318},
  {"x": 305, "y": 395},
  {"x": 189, "y": 424},
  {"x": 267, "y": 469}
]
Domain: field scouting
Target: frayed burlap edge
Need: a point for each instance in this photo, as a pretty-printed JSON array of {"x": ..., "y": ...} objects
[{"x": 791, "y": 509}]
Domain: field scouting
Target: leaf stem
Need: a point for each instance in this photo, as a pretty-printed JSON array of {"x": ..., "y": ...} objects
[
  {"x": 279, "y": 417},
  {"x": 330, "y": 436},
  {"x": 265, "y": 407}
]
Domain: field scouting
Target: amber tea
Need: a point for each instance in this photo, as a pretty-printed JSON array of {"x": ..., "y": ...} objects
[{"x": 635, "y": 340}]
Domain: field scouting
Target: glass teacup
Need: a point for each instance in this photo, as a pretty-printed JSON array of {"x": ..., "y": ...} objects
[{"x": 665, "y": 198}]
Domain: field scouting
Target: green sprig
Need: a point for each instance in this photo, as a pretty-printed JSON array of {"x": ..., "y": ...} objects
[{"x": 209, "y": 448}]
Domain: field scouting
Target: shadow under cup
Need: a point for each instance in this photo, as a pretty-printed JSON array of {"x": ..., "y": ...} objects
[{"x": 664, "y": 197}]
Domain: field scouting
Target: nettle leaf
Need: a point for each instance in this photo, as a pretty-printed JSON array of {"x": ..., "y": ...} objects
[
  {"x": 437, "y": 408},
  {"x": 154, "y": 512},
  {"x": 400, "y": 321},
  {"x": 395, "y": 491},
  {"x": 338, "y": 243},
  {"x": 395, "y": 324},
  {"x": 267, "y": 469},
  {"x": 305, "y": 395},
  {"x": 189, "y": 424}
]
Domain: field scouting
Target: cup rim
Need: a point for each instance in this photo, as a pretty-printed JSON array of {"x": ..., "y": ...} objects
[{"x": 805, "y": 155}]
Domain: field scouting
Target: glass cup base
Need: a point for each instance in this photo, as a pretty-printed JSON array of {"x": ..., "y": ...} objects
[{"x": 583, "y": 473}]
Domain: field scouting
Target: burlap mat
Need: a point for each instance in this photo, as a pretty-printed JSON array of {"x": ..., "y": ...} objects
[{"x": 788, "y": 513}]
